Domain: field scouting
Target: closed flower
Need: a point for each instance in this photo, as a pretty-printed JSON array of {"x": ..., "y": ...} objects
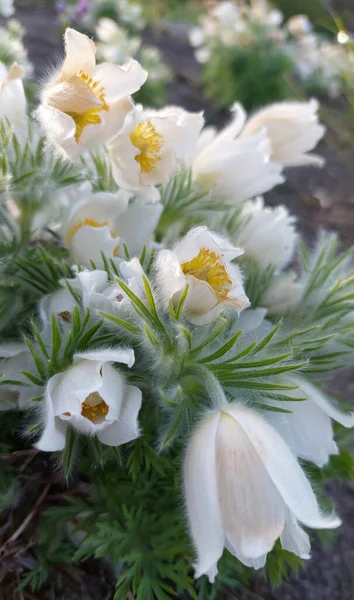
[
  {"x": 267, "y": 235},
  {"x": 12, "y": 96},
  {"x": 293, "y": 130},
  {"x": 235, "y": 167},
  {"x": 244, "y": 489}
]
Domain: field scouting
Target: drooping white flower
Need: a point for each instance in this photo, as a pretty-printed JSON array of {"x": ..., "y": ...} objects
[
  {"x": 244, "y": 489},
  {"x": 85, "y": 104},
  {"x": 308, "y": 428},
  {"x": 14, "y": 357},
  {"x": 293, "y": 130},
  {"x": 12, "y": 96},
  {"x": 267, "y": 234},
  {"x": 104, "y": 222},
  {"x": 92, "y": 397},
  {"x": 283, "y": 294},
  {"x": 235, "y": 167},
  {"x": 151, "y": 146},
  {"x": 203, "y": 261}
]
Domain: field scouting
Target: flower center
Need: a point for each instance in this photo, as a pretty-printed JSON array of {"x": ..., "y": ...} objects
[
  {"x": 206, "y": 267},
  {"x": 92, "y": 115},
  {"x": 149, "y": 142},
  {"x": 94, "y": 408}
]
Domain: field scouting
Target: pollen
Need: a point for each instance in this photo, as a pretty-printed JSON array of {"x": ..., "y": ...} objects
[
  {"x": 94, "y": 408},
  {"x": 149, "y": 143},
  {"x": 91, "y": 116},
  {"x": 206, "y": 266}
]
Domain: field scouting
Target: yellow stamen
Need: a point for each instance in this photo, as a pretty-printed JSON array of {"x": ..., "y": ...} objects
[
  {"x": 94, "y": 408},
  {"x": 149, "y": 143},
  {"x": 206, "y": 267},
  {"x": 91, "y": 116}
]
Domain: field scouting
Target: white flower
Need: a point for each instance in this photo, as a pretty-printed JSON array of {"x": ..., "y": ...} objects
[
  {"x": 92, "y": 397},
  {"x": 293, "y": 130},
  {"x": 12, "y": 96},
  {"x": 84, "y": 104},
  {"x": 105, "y": 222},
  {"x": 196, "y": 36},
  {"x": 244, "y": 489},
  {"x": 267, "y": 234},
  {"x": 14, "y": 357},
  {"x": 298, "y": 25},
  {"x": 7, "y": 8},
  {"x": 203, "y": 261},
  {"x": 151, "y": 146},
  {"x": 308, "y": 428},
  {"x": 236, "y": 168},
  {"x": 95, "y": 291},
  {"x": 283, "y": 294}
]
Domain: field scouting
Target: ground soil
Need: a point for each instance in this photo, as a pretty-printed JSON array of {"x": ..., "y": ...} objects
[{"x": 319, "y": 198}]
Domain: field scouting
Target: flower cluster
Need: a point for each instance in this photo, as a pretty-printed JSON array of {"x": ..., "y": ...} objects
[
  {"x": 239, "y": 27},
  {"x": 149, "y": 279}
]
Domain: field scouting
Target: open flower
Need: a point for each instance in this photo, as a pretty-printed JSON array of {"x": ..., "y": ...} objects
[
  {"x": 308, "y": 428},
  {"x": 293, "y": 130},
  {"x": 85, "y": 104},
  {"x": 267, "y": 234},
  {"x": 12, "y": 96},
  {"x": 244, "y": 489},
  {"x": 235, "y": 167},
  {"x": 152, "y": 144},
  {"x": 104, "y": 222},
  {"x": 92, "y": 397},
  {"x": 203, "y": 261}
]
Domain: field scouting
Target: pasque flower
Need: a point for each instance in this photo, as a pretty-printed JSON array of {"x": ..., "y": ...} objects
[
  {"x": 244, "y": 489},
  {"x": 151, "y": 146},
  {"x": 85, "y": 104},
  {"x": 12, "y": 96},
  {"x": 227, "y": 162},
  {"x": 104, "y": 222},
  {"x": 92, "y": 397},
  {"x": 293, "y": 130},
  {"x": 267, "y": 234},
  {"x": 307, "y": 429},
  {"x": 203, "y": 261}
]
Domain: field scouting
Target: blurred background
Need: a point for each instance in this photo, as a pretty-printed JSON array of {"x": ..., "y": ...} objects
[{"x": 204, "y": 56}]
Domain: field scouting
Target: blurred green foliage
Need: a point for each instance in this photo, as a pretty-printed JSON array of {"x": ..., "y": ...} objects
[{"x": 255, "y": 75}]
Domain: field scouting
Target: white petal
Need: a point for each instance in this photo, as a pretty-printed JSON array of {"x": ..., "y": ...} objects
[
  {"x": 126, "y": 428},
  {"x": 283, "y": 469},
  {"x": 253, "y": 512},
  {"x": 316, "y": 395},
  {"x": 53, "y": 435},
  {"x": 120, "y": 355},
  {"x": 295, "y": 539},
  {"x": 10, "y": 349},
  {"x": 120, "y": 82},
  {"x": 201, "y": 493},
  {"x": 60, "y": 129},
  {"x": 80, "y": 53},
  {"x": 137, "y": 224}
]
